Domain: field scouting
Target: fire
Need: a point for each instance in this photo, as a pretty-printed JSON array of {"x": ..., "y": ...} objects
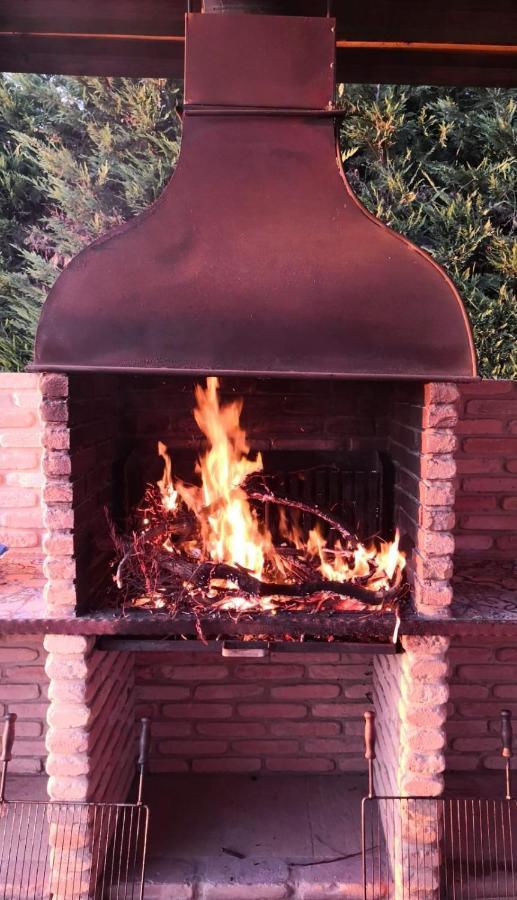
[{"x": 228, "y": 530}]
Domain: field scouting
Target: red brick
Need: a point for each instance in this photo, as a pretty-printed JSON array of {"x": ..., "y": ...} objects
[
  {"x": 507, "y": 654},
  {"x": 468, "y": 692},
  {"x": 471, "y": 503},
  {"x": 58, "y": 492},
  {"x": 507, "y": 542},
  {"x": 476, "y": 744},
  {"x": 266, "y": 672},
  {"x": 167, "y": 765},
  {"x": 512, "y": 427},
  {"x": 439, "y": 415},
  {"x": 19, "y": 538},
  {"x": 18, "y": 418},
  {"x": 59, "y": 517},
  {"x": 495, "y": 672},
  {"x": 21, "y": 518},
  {"x": 441, "y": 392},
  {"x": 21, "y": 437},
  {"x": 506, "y": 691},
  {"x": 487, "y": 388},
  {"x": 53, "y": 385},
  {"x": 161, "y": 692},
  {"x": 192, "y": 748},
  {"x": 19, "y": 459},
  {"x": 510, "y": 503},
  {"x": 306, "y": 692},
  {"x": 196, "y": 673},
  {"x": 511, "y": 465},
  {"x": 198, "y": 711},
  {"x": 58, "y": 543},
  {"x": 266, "y": 748},
  {"x": 503, "y": 408},
  {"x": 272, "y": 711},
  {"x": 170, "y": 729},
  {"x": 489, "y": 523},
  {"x": 490, "y": 485},
  {"x": 231, "y": 729},
  {"x": 56, "y": 437},
  {"x": 305, "y": 729},
  {"x": 329, "y": 746},
  {"x": 59, "y": 567},
  {"x": 463, "y": 727},
  {"x": 21, "y": 381},
  {"x": 226, "y": 764},
  {"x": 462, "y": 654},
  {"x": 335, "y": 673},
  {"x": 494, "y": 446},
  {"x": 10, "y": 692},
  {"x": 473, "y": 542},
  {"x": 17, "y": 497},
  {"x": 337, "y": 710},
  {"x": 479, "y": 466},
  {"x": 479, "y": 426},
  {"x": 54, "y": 410},
  {"x": 11, "y": 656},
  {"x": 300, "y": 764},
  {"x": 303, "y": 659},
  {"x": 57, "y": 462},
  {"x": 228, "y": 691},
  {"x": 434, "y": 467}
]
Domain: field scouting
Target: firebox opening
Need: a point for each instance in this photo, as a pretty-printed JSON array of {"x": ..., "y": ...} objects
[{"x": 340, "y": 445}]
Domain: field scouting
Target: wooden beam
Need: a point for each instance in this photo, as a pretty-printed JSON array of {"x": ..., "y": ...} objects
[{"x": 467, "y": 42}]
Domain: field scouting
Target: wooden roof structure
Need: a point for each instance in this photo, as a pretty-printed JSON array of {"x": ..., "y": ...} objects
[{"x": 449, "y": 42}]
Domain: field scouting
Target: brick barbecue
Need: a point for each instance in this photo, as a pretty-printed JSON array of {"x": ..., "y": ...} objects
[{"x": 78, "y": 441}]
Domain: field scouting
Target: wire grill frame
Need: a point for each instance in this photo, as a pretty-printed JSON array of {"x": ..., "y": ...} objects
[
  {"x": 439, "y": 848},
  {"x": 72, "y": 850}
]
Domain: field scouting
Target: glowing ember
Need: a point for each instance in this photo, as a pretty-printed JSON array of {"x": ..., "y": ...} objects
[{"x": 204, "y": 546}]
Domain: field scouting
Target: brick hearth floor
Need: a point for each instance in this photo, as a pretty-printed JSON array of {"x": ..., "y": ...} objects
[{"x": 237, "y": 837}]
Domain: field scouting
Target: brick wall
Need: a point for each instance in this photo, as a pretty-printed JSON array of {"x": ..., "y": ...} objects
[
  {"x": 483, "y": 680},
  {"x": 21, "y": 518},
  {"x": 486, "y": 500},
  {"x": 422, "y": 442},
  {"x": 295, "y": 712},
  {"x": 24, "y": 690}
]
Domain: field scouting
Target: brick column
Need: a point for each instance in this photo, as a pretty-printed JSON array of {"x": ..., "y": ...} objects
[
  {"x": 90, "y": 748},
  {"x": 21, "y": 521},
  {"x": 411, "y": 690},
  {"x": 58, "y": 543}
]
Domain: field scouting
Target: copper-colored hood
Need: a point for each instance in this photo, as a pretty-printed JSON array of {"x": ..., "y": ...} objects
[{"x": 257, "y": 258}]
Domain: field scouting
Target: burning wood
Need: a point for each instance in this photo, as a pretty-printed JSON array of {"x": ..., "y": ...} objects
[{"x": 205, "y": 547}]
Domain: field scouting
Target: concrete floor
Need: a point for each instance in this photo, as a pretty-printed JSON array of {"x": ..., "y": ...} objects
[{"x": 249, "y": 838}]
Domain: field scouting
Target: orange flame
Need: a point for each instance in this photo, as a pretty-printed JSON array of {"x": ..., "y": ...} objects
[{"x": 230, "y": 530}]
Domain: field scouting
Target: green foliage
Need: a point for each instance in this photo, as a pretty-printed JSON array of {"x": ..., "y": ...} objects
[
  {"x": 79, "y": 156},
  {"x": 438, "y": 165}
]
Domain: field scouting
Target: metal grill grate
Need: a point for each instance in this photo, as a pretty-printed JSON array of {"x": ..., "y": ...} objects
[
  {"x": 71, "y": 850},
  {"x": 439, "y": 848},
  {"x": 51, "y": 850},
  {"x": 454, "y": 848}
]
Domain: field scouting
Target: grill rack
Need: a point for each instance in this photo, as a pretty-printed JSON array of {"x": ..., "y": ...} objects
[
  {"x": 53, "y": 850},
  {"x": 439, "y": 848}
]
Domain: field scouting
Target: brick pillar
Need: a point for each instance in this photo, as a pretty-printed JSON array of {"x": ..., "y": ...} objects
[
  {"x": 21, "y": 519},
  {"x": 90, "y": 749},
  {"x": 411, "y": 689},
  {"x": 58, "y": 543}
]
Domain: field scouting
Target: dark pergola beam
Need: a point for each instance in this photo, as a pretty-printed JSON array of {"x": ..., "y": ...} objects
[{"x": 467, "y": 42}]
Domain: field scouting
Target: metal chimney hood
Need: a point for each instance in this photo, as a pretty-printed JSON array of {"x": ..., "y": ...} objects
[{"x": 257, "y": 258}]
